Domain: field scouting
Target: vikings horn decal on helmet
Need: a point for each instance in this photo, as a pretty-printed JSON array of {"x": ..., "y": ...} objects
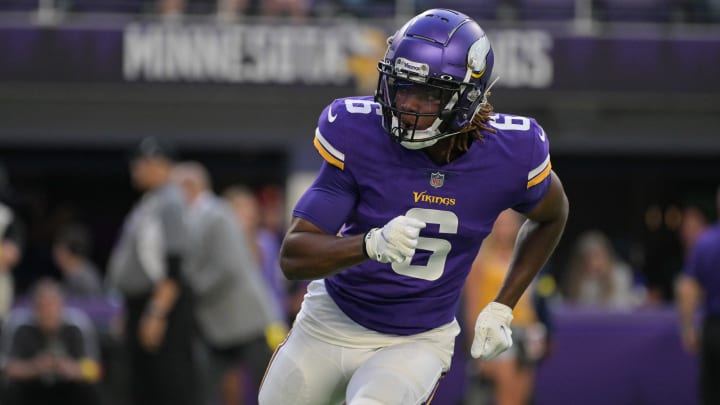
[{"x": 442, "y": 54}]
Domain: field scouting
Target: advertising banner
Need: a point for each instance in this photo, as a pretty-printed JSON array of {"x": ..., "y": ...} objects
[{"x": 344, "y": 54}]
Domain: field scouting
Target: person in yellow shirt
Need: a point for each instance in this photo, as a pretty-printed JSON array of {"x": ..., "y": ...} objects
[{"x": 512, "y": 373}]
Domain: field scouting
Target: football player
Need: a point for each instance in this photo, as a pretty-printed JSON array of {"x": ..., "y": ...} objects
[{"x": 412, "y": 182}]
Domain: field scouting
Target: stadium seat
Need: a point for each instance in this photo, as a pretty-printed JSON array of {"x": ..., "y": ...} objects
[
  {"x": 107, "y": 6},
  {"x": 636, "y": 10},
  {"x": 18, "y": 5},
  {"x": 477, "y": 9},
  {"x": 546, "y": 9}
]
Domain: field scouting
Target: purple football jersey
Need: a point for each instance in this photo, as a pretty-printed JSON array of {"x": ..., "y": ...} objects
[
  {"x": 367, "y": 180},
  {"x": 704, "y": 265}
]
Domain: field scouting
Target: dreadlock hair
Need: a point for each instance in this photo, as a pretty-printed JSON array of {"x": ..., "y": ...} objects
[{"x": 473, "y": 131}]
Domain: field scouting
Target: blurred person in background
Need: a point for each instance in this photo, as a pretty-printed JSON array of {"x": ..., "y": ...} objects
[
  {"x": 50, "y": 353},
  {"x": 296, "y": 9},
  {"x": 271, "y": 198},
  {"x": 71, "y": 251},
  {"x": 233, "y": 306},
  {"x": 11, "y": 239},
  {"x": 232, "y": 10},
  {"x": 411, "y": 183},
  {"x": 512, "y": 373},
  {"x": 263, "y": 242},
  {"x": 171, "y": 9},
  {"x": 693, "y": 224},
  {"x": 229, "y": 10},
  {"x": 699, "y": 288},
  {"x": 597, "y": 277},
  {"x": 10, "y": 255},
  {"x": 668, "y": 245},
  {"x": 145, "y": 266},
  {"x": 176, "y": 10}
]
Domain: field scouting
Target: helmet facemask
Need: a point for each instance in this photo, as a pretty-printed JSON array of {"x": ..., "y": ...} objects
[{"x": 433, "y": 98}]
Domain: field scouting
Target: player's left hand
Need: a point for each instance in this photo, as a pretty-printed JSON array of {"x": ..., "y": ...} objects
[{"x": 492, "y": 331}]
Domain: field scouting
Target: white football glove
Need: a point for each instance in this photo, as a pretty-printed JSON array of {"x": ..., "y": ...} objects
[
  {"x": 395, "y": 241},
  {"x": 492, "y": 331}
]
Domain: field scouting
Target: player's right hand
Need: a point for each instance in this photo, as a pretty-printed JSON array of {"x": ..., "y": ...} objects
[{"x": 394, "y": 242}]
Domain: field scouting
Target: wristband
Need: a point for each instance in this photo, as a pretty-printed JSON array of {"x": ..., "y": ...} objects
[{"x": 364, "y": 244}]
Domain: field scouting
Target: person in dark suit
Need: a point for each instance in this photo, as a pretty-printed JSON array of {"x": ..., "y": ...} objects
[{"x": 145, "y": 267}]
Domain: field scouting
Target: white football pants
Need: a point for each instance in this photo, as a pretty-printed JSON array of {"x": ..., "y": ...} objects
[
  {"x": 330, "y": 359},
  {"x": 308, "y": 371}
]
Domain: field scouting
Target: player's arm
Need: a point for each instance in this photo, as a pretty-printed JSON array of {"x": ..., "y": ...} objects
[
  {"x": 167, "y": 290},
  {"x": 312, "y": 249},
  {"x": 536, "y": 241},
  {"x": 310, "y": 253},
  {"x": 153, "y": 324}
]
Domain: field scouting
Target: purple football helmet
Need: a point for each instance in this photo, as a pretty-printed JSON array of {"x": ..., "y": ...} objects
[{"x": 442, "y": 55}]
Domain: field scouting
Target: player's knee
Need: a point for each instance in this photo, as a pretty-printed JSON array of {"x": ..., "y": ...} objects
[
  {"x": 401, "y": 395},
  {"x": 269, "y": 395},
  {"x": 388, "y": 389},
  {"x": 282, "y": 386}
]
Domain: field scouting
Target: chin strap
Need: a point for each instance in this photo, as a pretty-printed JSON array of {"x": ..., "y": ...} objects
[{"x": 484, "y": 100}]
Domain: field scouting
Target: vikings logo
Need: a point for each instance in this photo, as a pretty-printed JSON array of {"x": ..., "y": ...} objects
[{"x": 476, "y": 57}]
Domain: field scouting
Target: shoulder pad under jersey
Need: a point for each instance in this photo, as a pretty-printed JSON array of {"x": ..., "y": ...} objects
[
  {"x": 528, "y": 141},
  {"x": 340, "y": 123}
]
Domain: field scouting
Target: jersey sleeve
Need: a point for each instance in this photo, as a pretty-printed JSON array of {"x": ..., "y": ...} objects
[
  {"x": 329, "y": 200},
  {"x": 340, "y": 140},
  {"x": 331, "y": 139},
  {"x": 538, "y": 169}
]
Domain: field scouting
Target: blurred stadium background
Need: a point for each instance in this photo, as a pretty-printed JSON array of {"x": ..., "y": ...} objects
[{"x": 627, "y": 90}]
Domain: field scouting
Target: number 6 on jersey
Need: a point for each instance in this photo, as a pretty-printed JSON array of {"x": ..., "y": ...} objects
[{"x": 440, "y": 248}]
